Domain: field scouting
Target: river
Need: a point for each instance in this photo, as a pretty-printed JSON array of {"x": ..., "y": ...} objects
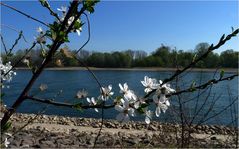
[{"x": 69, "y": 82}]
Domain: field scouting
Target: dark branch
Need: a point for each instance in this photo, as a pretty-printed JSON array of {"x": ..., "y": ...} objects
[
  {"x": 221, "y": 42},
  {"x": 3, "y": 43},
  {"x": 203, "y": 86},
  {"x": 27, "y": 51},
  {"x": 88, "y": 24},
  {"x": 69, "y": 105},
  {"x": 15, "y": 43},
  {"x": 9, "y": 27},
  {"x": 63, "y": 104},
  {"x": 46, "y": 5}
]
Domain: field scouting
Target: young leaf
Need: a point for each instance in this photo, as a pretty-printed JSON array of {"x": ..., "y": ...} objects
[
  {"x": 6, "y": 127},
  {"x": 78, "y": 106},
  {"x": 222, "y": 73}
]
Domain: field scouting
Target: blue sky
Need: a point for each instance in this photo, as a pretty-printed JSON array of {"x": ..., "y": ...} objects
[{"x": 141, "y": 25}]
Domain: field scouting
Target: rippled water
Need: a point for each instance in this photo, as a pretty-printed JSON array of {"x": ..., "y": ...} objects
[{"x": 221, "y": 95}]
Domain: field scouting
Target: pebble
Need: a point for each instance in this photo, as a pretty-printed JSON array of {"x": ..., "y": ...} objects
[{"x": 156, "y": 134}]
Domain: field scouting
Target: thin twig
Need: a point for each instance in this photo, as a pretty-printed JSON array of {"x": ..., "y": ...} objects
[
  {"x": 51, "y": 11},
  {"x": 88, "y": 25},
  {"x": 27, "y": 51},
  {"x": 4, "y": 45},
  {"x": 30, "y": 17},
  {"x": 15, "y": 43},
  {"x": 218, "y": 112},
  {"x": 12, "y": 28},
  {"x": 63, "y": 104},
  {"x": 221, "y": 42},
  {"x": 203, "y": 86},
  {"x": 55, "y": 45}
]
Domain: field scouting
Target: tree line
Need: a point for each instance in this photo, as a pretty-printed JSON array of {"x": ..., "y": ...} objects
[{"x": 164, "y": 56}]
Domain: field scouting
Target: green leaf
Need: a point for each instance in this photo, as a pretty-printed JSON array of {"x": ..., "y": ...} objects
[
  {"x": 78, "y": 25},
  {"x": 194, "y": 57},
  {"x": 89, "y": 5},
  {"x": 192, "y": 86},
  {"x": 44, "y": 3},
  {"x": 222, "y": 73},
  {"x": 2, "y": 94},
  {"x": 144, "y": 105},
  {"x": 6, "y": 127},
  {"x": 141, "y": 110},
  {"x": 78, "y": 106},
  {"x": 118, "y": 98}
]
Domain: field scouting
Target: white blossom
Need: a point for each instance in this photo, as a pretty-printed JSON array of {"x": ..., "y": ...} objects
[
  {"x": 78, "y": 31},
  {"x": 43, "y": 87},
  {"x": 125, "y": 110},
  {"x": 129, "y": 94},
  {"x": 165, "y": 89},
  {"x": 138, "y": 102},
  {"x": 92, "y": 102},
  {"x": 6, "y": 143},
  {"x": 26, "y": 61},
  {"x": 40, "y": 38},
  {"x": 40, "y": 30},
  {"x": 6, "y": 72},
  {"x": 81, "y": 94},
  {"x": 148, "y": 116},
  {"x": 63, "y": 9},
  {"x": 106, "y": 93},
  {"x": 150, "y": 84},
  {"x": 70, "y": 20},
  {"x": 162, "y": 104}
]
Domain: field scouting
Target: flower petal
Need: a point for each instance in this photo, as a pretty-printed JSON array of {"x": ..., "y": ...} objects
[
  {"x": 126, "y": 86},
  {"x": 93, "y": 101},
  {"x": 167, "y": 103},
  {"x": 119, "y": 108},
  {"x": 157, "y": 111},
  {"x": 144, "y": 83},
  {"x": 131, "y": 112},
  {"x": 147, "y": 120},
  {"x": 110, "y": 87},
  {"x": 78, "y": 32},
  {"x": 155, "y": 98},
  {"x": 126, "y": 118},
  {"x": 88, "y": 100},
  {"x": 120, "y": 117},
  {"x": 121, "y": 88}
]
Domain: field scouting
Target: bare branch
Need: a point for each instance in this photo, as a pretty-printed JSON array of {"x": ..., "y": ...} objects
[
  {"x": 30, "y": 17},
  {"x": 69, "y": 105},
  {"x": 3, "y": 43},
  {"x": 221, "y": 42},
  {"x": 203, "y": 86},
  {"x": 224, "y": 109},
  {"x": 15, "y": 43},
  {"x": 27, "y": 51},
  {"x": 9, "y": 27},
  {"x": 46, "y": 5},
  {"x": 63, "y": 104},
  {"x": 88, "y": 24}
]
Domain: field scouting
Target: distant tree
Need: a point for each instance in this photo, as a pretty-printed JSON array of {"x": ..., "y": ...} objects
[
  {"x": 163, "y": 52},
  {"x": 229, "y": 58}
]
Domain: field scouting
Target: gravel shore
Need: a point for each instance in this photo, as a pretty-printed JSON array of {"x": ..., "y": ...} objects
[{"x": 70, "y": 132}]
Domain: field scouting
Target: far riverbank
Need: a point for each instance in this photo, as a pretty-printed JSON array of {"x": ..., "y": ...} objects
[{"x": 137, "y": 69}]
